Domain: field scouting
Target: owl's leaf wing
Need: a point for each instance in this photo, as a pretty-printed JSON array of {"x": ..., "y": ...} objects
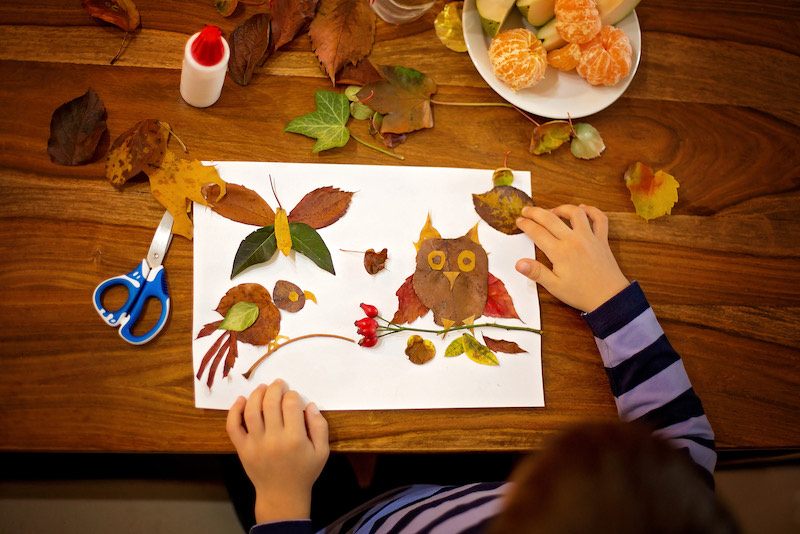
[
  {"x": 499, "y": 303},
  {"x": 410, "y": 308}
]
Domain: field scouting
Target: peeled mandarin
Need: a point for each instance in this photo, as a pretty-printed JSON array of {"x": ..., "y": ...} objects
[
  {"x": 607, "y": 58},
  {"x": 518, "y": 58},
  {"x": 577, "y": 21}
]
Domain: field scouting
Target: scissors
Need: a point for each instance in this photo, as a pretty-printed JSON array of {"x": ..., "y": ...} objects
[{"x": 146, "y": 281}]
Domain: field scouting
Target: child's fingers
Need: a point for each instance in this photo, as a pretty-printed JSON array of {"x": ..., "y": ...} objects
[
  {"x": 599, "y": 221},
  {"x": 253, "y": 416},
  {"x": 273, "y": 415},
  {"x": 550, "y": 219},
  {"x": 541, "y": 237},
  {"x": 292, "y": 409},
  {"x": 537, "y": 272},
  {"x": 317, "y": 429},
  {"x": 576, "y": 216},
  {"x": 233, "y": 424}
]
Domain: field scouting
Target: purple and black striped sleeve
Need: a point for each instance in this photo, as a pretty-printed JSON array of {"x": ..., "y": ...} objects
[{"x": 647, "y": 377}]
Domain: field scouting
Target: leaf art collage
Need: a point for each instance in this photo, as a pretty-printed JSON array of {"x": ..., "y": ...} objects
[{"x": 364, "y": 296}]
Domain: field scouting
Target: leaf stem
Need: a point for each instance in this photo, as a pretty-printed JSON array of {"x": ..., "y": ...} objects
[
  {"x": 272, "y": 350},
  {"x": 119, "y": 52},
  {"x": 391, "y": 328},
  {"x": 472, "y": 104},
  {"x": 178, "y": 139},
  {"x": 377, "y": 148}
]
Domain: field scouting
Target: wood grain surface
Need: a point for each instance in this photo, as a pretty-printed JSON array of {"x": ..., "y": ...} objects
[{"x": 716, "y": 102}]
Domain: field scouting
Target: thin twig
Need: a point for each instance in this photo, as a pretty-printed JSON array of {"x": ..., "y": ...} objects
[
  {"x": 120, "y": 48},
  {"x": 272, "y": 350},
  {"x": 377, "y": 148}
]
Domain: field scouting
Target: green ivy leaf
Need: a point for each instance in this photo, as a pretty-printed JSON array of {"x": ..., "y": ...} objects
[
  {"x": 455, "y": 348},
  {"x": 239, "y": 317},
  {"x": 587, "y": 143},
  {"x": 307, "y": 242},
  {"x": 327, "y": 123},
  {"x": 477, "y": 352},
  {"x": 257, "y": 247}
]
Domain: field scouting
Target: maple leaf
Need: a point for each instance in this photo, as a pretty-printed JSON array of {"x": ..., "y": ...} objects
[
  {"x": 403, "y": 97},
  {"x": 289, "y": 18},
  {"x": 501, "y": 207},
  {"x": 240, "y": 204},
  {"x": 75, "y": 129},
  {"x": 342, "y": 32},
  {"x": 136, "y": 150},
  {"x": 326, "y": 124},
  {"x": 249, "y": 45},
  {"x": 177, "y": 183},
  {"x": 653, "y": 195},
  {"x": 498, "y": 301},
  {"x": 409, "y": 308},
  {"x": 321, "y": 207}
]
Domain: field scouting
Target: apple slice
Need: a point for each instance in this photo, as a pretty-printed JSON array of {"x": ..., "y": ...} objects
[
  {"x": 611, "y": 12},
  {"x": 536, "y": 12},
  {"x": 493, "y": 13}
]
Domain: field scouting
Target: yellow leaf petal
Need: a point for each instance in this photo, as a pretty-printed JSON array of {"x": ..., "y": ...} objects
[
  {"x": 310, "y": 296},
  {"x": 428, "y": 231},
  {"x": 282, "y": 235},
  {"x": 448, "y": 27},
  {"x": 653, "y": 195},
  {"x": 176, "y": 183}
]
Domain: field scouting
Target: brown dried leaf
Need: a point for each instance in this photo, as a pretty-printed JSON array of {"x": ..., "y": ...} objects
[
  {"x": 361, "y": 73},
  {"x": 419, "y": 350},
  {"x": 135, "y": 150},
  {"x": 120, "y": 13},
  {"x": 501, "y": 207},
  {"x": 403, "y": 96},
  {"x": 375, "y": 262},
  {"x": 342, "y": 32},
  {"x": 76, "y": 129},
  {"x": 409, "y": 307},
  {"x": 249, "y": 44},
  {"x": 502, "y": 345},
  {"x": 288, "y": 296},
  {"x": 289, "y": 18},
  {"x": 268, "y": 324},
  {"x": 239, "y": 204},
  {"x": 321, "y": 207}
]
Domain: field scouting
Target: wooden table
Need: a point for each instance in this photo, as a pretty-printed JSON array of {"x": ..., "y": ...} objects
[{"x": 716, "y": 102}]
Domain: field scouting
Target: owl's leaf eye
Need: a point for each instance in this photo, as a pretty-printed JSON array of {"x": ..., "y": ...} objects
[
  {"x": 436, "y": 260},
  {"x": 466, "y": 261}
]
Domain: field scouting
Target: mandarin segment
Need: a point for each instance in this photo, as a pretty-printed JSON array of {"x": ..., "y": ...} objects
[
  {"x": 577, "y": 21},
  {"x": 607, "y": 58},
  {"x": 565, "y": 58},
  {"x": 518, "y": 58}
]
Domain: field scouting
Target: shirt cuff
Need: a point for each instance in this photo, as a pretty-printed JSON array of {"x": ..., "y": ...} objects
[{"x": 617, "y": 311}]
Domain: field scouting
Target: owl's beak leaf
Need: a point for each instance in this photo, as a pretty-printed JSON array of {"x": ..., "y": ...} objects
[{"x": 451, "y": 275}]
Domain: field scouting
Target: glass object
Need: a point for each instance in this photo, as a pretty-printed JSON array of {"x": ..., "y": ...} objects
[{"x": 400, "y": 11}]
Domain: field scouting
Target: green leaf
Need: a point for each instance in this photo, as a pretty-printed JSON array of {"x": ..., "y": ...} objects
[
  {"x": 327, "y": 123},
  {"x": 257, "y": 247},
  {"x": 307, "y": 242},
  {"x": 587, "y": 143},
  {"x": 549, "y": 136},
  {"x": 455, "y": 348},
  {"x": 239, "y": 317},
  {"x": 351, "y": 92},
  {"x": 360, "y": 111},
  {"x": 477, "y": 352}
]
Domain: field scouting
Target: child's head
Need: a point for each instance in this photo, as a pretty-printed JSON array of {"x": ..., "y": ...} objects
[{"x": 611, "y": 477}]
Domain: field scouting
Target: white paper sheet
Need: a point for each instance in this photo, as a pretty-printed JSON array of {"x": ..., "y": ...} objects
[{"x": 388, "y": 209}]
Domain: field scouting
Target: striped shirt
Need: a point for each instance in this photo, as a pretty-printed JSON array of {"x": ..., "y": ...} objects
[{"x": 649, "y": 384}]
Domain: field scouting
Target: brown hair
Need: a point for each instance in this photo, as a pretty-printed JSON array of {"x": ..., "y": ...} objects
[{"x": 611, "y": 477}]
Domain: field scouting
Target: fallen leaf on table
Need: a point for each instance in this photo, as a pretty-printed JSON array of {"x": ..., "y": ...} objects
[
  {"x": 239, "y": 204},
  {"x": 498, "y": 301},
  {"x": 226, "y": 7},
  {"x": 177, "y": 183},
  {"x": 75, "y": 130},
  {"x": 342, "y": 32},
  {"x": 249, "y": 44},
  {"x": 448, "y": 27},
  {"x": 327, "y": 123},
  {"x": 477, "y": 352},
  {"x": 289, "y": 18},
  {"x": 121, "y": 13},
  {"x": 501, "y": 345},
  {"x": 419, "y": 350},
  {"x": 139, "y": 149},
  {"x": 321, "y": 207},
  {"x": 549, "y": 136},
  {"x": 375, "y": 262},
  {"x": 653, "y": 195},
  {"x": 403, "y": 97},
  {"x": 587, "y": 143},
  {"x": 361, "y": 73},
  {"x": 501, "y": 207}
]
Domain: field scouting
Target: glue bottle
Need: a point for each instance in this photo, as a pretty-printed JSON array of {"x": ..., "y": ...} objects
[{"x": 205, "y": 60}]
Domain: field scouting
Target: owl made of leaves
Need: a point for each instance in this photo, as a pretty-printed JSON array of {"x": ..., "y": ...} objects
[{"x": 451, "y": 276}]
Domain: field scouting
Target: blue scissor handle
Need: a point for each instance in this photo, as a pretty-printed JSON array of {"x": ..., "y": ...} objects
[
  {"x": 132, "y": 281},
  {"x": 154, "y": 287}
]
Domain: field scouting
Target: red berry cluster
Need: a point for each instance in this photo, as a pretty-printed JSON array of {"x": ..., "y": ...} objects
[{"x": 368, "y": 326}]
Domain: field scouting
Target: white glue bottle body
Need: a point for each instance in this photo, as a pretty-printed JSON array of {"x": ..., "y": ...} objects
[{"x": 205, "y": 61}]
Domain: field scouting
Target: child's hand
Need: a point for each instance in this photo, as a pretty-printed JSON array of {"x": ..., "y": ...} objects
[
  {"x": 585, "y": 273},
  {"x": 283, "y": 449}
]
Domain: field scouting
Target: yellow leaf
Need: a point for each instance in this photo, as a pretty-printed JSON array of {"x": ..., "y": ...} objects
[
  {"x": 310, "y": 296},
  {"x": 177, "y": 183},
  {"x": 653, "y": 195},
  {"x": 448, "y": 27},
  {"x": 282, "y": 235},
  {"x": 419, "y": 350},
  {"x": 428, "y": 231}
]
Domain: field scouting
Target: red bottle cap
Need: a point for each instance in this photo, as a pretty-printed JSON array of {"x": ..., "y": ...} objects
[{"x": 208, "y": 49}]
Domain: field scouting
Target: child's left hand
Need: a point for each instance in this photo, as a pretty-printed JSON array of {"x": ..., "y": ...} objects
[{"x": 282, "y": 447}]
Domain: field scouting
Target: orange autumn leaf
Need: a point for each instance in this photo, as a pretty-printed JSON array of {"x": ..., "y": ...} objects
[
  {"x": 179, "y": 182},
  {"x": 653, "y": 195},
  {"x": 240, "y": 204},
  {"x": 342, "y": 33},
  {"x": 498, "y": 301},
  {"x": 419, "y": 350}
]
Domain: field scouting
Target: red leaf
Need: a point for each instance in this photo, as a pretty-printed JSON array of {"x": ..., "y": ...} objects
[
  {"x": 289, "y": 18},
  {"x": 502, "y": 345},
  {"x": 209, "y": 329},
  {"x": 239, "y": 204},
  {"x": 499, "y": 303},
  {"x": 321, "y": 207},
  {"x": 410, "y": 308}
]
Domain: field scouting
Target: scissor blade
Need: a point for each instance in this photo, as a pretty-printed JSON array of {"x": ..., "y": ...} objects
[{"x": 161, "y": 241}]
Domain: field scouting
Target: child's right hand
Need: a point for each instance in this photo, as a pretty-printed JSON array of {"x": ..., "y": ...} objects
[{"x": 585, "y": 273}]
